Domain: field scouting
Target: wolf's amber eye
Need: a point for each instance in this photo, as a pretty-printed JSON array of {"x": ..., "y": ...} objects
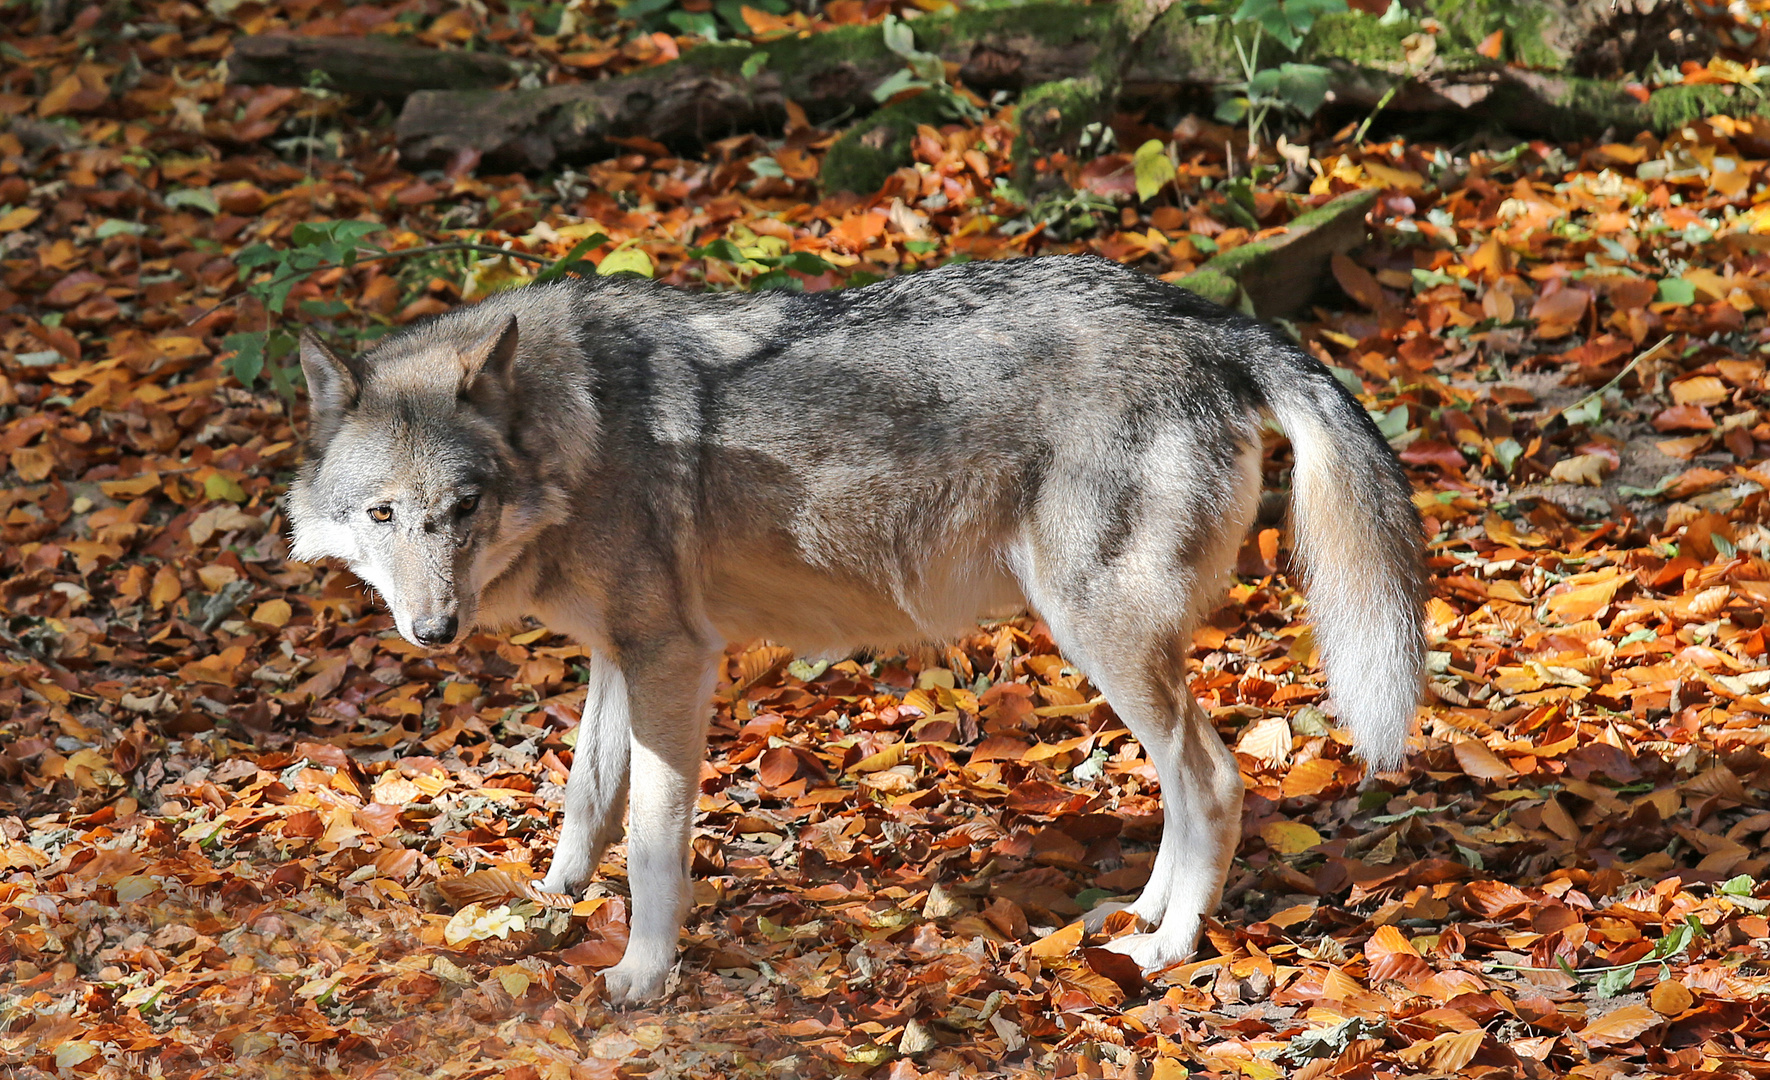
[
  {"x": 381, "y": 513},
  {"x": 467, "y": 506}
]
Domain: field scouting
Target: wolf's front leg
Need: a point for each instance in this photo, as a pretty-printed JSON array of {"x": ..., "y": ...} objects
[
  {"x": 668, "y": 695},
  {"x": 596, "y": 794}
]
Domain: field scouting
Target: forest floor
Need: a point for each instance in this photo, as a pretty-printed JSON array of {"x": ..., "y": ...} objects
[{"x": 246, "y": 830}]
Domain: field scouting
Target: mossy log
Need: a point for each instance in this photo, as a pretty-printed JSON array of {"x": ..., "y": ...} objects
[
  {"x": 370, "y": 67},
  {"x": 706, "y": 95},
  {"x": 1279, "y": 275},
  {"x": 1555, "y": 77}
]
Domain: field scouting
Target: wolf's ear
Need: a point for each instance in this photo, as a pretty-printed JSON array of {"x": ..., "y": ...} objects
[
  {"x": 333, "y": 380},
  {"x": 486, "y": 364}
]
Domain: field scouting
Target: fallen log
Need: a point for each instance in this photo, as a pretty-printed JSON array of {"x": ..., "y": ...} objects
[
  {"x": 706, "y": 95},
  {"x": 1556, "y": 76},
  {"x": 370, "y": 67},
  {"x": 1278, "y": 275}
]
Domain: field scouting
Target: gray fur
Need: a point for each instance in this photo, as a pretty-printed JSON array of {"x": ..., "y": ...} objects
[{"x": 661, "y": 472}]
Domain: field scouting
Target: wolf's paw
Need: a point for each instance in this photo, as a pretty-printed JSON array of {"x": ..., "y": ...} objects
[
  {"x": 631, "y": 983},
  {"x": 556, "y": 882},
  {"x": 568, "y": 874},
  {"x": 1155, "y": 952}
]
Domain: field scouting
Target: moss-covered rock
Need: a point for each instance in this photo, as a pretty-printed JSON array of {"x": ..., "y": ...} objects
[
  {"x": 877, "y": 146},
  {"x": 1053, "y": 115}
]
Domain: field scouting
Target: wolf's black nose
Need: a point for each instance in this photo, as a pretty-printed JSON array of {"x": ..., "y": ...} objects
[{"x": 435, "y": 630}]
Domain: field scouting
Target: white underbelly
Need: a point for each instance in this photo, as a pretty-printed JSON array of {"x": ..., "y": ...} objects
[{"x": 815, "y": 612}]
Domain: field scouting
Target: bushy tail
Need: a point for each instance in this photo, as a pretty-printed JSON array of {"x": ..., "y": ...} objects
[{"x": 1360, "y": 541}]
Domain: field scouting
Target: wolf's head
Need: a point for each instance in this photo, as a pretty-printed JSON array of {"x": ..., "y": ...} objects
[{"x": 410, "y": 475}]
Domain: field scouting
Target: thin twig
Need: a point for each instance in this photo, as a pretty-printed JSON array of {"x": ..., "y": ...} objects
[
  {"x": 428, "y": 249},
  {"x": 1612, "y": 384},
  {"x": 1382, "y": 103}
]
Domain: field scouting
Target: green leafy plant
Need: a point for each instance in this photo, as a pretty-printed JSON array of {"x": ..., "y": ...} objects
[
  {"x": 272, "y": 273},
  {"x": 314, "y": 246},
  {"x": 923, "y": 71},
  {"x": 1287, "y": 86},
  {"x": 763, "y": 266},
  {"x": 725, "y": 20}
]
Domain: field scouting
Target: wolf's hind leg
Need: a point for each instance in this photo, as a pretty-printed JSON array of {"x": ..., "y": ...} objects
[
  {"x": 669, "y": 694},
  {"x": 1201, "y": 790},
  {"x": 1120, "y": 592},
  {"x": 596, "y": 794},
  {"x": 1201, "y": 825}
]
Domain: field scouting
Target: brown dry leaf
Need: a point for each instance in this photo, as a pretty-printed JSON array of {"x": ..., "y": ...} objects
[
  {"x": 1670, "y": 998},
  {"x": 1620, "y": 1025},
  {"x": 1480, "y": 762}
]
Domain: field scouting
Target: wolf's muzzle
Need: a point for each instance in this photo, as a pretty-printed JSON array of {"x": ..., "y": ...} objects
[{"x": 435, "y": 629}]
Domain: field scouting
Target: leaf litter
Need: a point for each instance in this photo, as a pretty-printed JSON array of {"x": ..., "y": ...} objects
[{"x": 249, "y": 831}]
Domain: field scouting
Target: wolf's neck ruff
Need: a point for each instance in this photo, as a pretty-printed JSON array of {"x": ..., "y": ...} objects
[{"x": 656, "y": 473}]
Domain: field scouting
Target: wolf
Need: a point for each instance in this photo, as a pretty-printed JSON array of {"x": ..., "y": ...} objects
[{"x": 658, "y": 473}]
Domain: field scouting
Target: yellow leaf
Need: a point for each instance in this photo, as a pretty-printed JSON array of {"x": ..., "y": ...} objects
[
  {"x": 33, "y": 463},
  {"x": 628, "y": 260},
  {"x": 1588, "y": 469},
  {"x": 1152, "y": 167},
  {"x": 1289, "y": 837},
  {"x": 130, "y": 488},
  {"x": 18, "y": 217},
  {"x": 1585, "y": 601},
  {"x": 475, "y": 923},
  {"x": 1702, "y": 390},
  {"x": 214, "y": 578},
  {"x": 1058, "y": 942},
  {"x": 459, "y": 693},
  {"x": 166, "y": 588},
  {"x": 1311, "y": 777},
  {"x": 1268, "y": 741},
  {"x": 1455, "y": 1049},
  {"x": 69, "y": 1054},
  {"x": 275, "y": 613},
  {"x": 1166, "y": 1068},
  {"x": 135, "y": 887},
  {"x": 887, "y": 758},
  {"x": 221, "y": 486},
  {"x": 1390, "y": 177},
  {"x": 392, "y": 789},
  {"x": 1709, "y": 285},
  {"x": 514, "y": 980}
]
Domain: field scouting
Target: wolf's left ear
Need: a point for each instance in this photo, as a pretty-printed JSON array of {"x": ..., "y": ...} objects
[
  {"x": 486, "y": 363},
  {"x": 333, "y": 379}
]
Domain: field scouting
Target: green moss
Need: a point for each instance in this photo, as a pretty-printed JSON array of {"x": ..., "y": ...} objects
[
  {"x": 1207, "y": 50},
  {"x": 1213, "y": 285},
  {"x": 877, "y": 146},
  {"x": 1676, "y": 106},
  {"x": 1051, "y": 23},
  {"x": 793, "y": 57},
  {"x": 1357, "y": 38},
  {"x": 1051, "y": 115},
  {"x": 724, "y": 56},
  {"x": 1222, "y": 278},
  {"x": 1525, "y": 42}
]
